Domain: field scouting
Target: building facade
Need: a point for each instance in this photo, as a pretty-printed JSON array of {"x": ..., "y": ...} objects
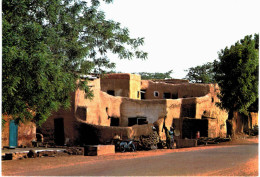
[{"x": 124, "y": 101}]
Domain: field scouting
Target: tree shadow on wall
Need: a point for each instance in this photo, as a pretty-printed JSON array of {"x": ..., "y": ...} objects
[
  {"x": 188, "y": 109},
  {"x": 87, "y": 134}
]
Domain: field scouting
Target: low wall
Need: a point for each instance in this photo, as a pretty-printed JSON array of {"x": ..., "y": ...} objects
[
  {"x": 184, "y": 90},
  {"x": 26, "y": 133},
  {"x": 94, "y": 134},
  {"x": 183, "y": 143}
]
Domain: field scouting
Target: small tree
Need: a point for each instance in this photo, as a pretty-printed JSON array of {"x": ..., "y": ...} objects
[
  {"x": 237, "y": 75},
  {"x": 201, "y": 74},
  {"x": 156, "y": 75},
  {"x": 48, "y": 45}
]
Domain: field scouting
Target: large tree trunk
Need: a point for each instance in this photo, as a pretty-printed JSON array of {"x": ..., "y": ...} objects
[
  {"x": 250, "y": 126},
  {"x": 230, "y": 124}
]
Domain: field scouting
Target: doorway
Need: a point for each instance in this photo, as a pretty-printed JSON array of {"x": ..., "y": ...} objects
[
  {"x": 13, "y": 134},
  {"x": 59, "y": 131}
]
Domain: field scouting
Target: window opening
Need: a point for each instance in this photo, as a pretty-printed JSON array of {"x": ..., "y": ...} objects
[
  {"x": 111, "y": 92},
  {"x": 143, "y": 94},
  {"x": 167, "y": 95},
  {"x": 137, "y": 121}
]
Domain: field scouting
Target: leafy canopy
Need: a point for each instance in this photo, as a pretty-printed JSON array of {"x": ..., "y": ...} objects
[
  {"x": 156, "y": 75},
  {"x": 237, "y": 74},
  {"x": 201, "y": 74},
  {"x": 48, "y": 45}
]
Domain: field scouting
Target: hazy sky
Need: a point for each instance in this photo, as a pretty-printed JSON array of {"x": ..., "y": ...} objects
[{"x": 180, "y": 34}]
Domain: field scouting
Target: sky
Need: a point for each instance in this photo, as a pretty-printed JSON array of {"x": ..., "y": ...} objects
[{"x": 180, "y": 34}]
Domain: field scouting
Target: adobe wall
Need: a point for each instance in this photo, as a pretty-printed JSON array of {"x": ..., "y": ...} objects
[
  {"x": 95, "y": 134},
  {"x": 117, "y": 82},
  {"x": 242, "y": 122},
  {"x": 185, "y": 107},
  {"x": 189, "y": 127},
  {"x": 179, "y": 90},
  {"x": 47, "y": 128},
  {"x": 95, "y": 112},
  {"x": 206, "y": 107},
  {"x": 193, "y": 107},
  {"x": 26, "y": 133},
  {"x": 5, "y": 131},
  {"x": 214, "y": 130},
  {"x": 254, "y": 116},
  {"x": 154, "y": 111},
  {"x": 151, "y": 109},
  {"x": 135, "y": 86},
  {"x": 200, "y": 101},
  {"x": 91, "y": 108},
  {"x": 100, "y": 107},
  {"x": 172, "y": 81}
]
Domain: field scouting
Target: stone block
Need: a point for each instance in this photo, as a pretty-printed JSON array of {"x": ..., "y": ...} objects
[
  {"x": 8, "y": 156},
  {"x": 96, "y": 150},
  {"x": 182, "y": 143}
]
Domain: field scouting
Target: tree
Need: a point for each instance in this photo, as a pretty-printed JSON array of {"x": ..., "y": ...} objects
[
  {"x": 156, "y": 75},
  {"x": 201, "y": 74},
  {"x": 48, "y": 46},
  {"x": 237, "y": 75}
]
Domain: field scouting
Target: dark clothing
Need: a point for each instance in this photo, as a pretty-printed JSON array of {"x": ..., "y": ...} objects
[{"x": 169, "y": 138}]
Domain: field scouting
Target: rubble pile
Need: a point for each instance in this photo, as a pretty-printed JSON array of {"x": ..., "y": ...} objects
[
  {"x": 148, "y": 141},
  {"x": 74, "y": 151},
  {"x": 206, "y": 140}
]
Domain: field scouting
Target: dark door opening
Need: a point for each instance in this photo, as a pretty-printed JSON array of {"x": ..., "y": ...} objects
[
  {"x": 114, "y": 121},
  {"x": 191, "y": 126},
  {"x": 13, "y": 134},
  {"x": 59, "y": 131},
  {"x": 111, "y": 92}
]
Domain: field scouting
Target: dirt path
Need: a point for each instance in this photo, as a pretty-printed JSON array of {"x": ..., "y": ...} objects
[{"x": 18, "y": 166}]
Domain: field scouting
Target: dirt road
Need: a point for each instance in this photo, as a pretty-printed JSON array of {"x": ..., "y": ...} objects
[{"x": 228, "y": 160}]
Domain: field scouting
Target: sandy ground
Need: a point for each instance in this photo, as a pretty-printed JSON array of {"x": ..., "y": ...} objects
[{"x": 16, "y": 166}]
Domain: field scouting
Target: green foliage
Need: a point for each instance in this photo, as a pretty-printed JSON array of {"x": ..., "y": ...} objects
[
  {"x": 48, "y": 45},
  {"x": 252, "y": 131},
  {"x": 146, "y": 75},
  {"x": 201, "y": 74},
  {"x": 237, "y": 74},
  {"x": 3, "y": 123}
]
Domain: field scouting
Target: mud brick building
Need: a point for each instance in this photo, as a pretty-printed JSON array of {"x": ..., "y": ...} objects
[{"x": 124, "y": 104}]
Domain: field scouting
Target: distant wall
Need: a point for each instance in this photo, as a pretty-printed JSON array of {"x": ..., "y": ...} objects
[
  {"x": 176, "y": 90},
  {"x": 172, "y": 81},
  {"x": 124, "y": 85},
  {"x": 242, "y": 122},
  {"x": 26, "y": 133},
  {"x": 135, "y": 86},
  {"x": 254, "y": 116}
]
